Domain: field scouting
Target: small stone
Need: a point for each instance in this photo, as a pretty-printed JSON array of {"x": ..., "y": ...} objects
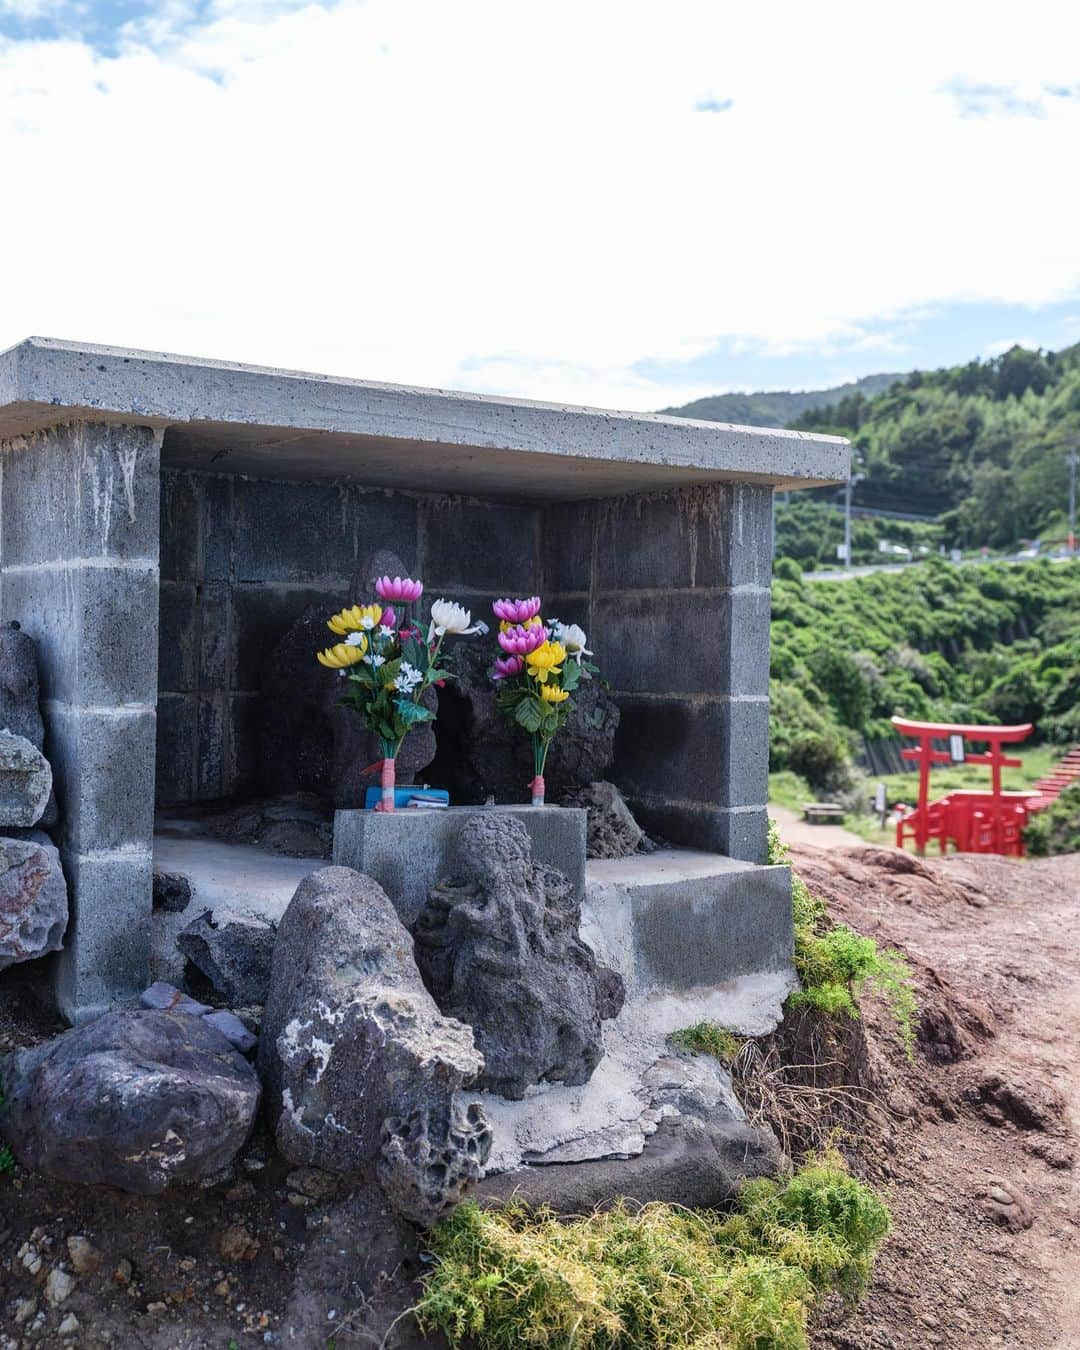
[
  {"x": 69, "y": 1326},
  {"x": 85, "y": 1257},
  {"x": 188, "y": 1263},
  {"x": 24, "y": 1310},
  {"x": 58, "y": 1286},
  {"x": 167, "y": 998},
  {"x": 243, "y": 1190},
  {"x": 233, "y": 953},
  {"x": 122, "y": 1273},
  {"x": 232, "y": 1029},
  {"x": 313, "y": 1182},
  {"x": 222, "y": 1288},
  {"x": 1001, "y": 1196},
  {"x": 156, "y": 1308},
  {"x": 172, "y": 892},
  {"x": 238, "y": 1243}
]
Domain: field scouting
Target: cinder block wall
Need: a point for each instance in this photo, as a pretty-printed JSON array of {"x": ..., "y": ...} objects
[
  {"x": 242, "y": 558},
  {"x": 674, "y": 590},
  {"x": 79, "y": 572}
]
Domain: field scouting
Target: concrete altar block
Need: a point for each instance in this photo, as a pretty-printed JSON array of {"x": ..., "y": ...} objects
[
  {"x": 409, "y": 851},
  {"x": 681, "y": 920}
]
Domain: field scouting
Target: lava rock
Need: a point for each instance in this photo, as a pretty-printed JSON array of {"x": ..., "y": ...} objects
[
  {"x": 33, "y": 901},
  {"x": 424, "y": 1175},
  {"x": 481, "y": 755},
  {"x": 499, "y": 948},
  {"x": 297, "y": 825},
  {"x": 25, "y": 781},
  {"x": 310, "y": 742},
  {"x": 611, "y": 830},
  {"x": 233, "y": 953},
  {"x": 354, "y": 1052},
  {"x": 20, "y": 706},
  {"x": 141, "y": 1100},
  {"x": 172, "y": 892}
]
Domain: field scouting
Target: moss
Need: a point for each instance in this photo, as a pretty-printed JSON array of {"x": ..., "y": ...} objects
[
  {"x": 707, "y": 1038},
  {"x": 657, "y": 1277}
]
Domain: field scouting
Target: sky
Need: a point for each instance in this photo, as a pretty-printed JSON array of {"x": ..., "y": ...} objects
[{"x": 612, "y": 202}]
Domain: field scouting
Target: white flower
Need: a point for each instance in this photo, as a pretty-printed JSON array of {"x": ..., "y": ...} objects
[
  {"x": 572, "y": 636},
  {"x": 407, "y": 679},
  {"x": 355, "y": 640},
  {"x": 375, "y": 661},
  {"x": 449, "y": 617},
  {"x": 367, "y": 623},
  {"x": 386, "y": 630}
]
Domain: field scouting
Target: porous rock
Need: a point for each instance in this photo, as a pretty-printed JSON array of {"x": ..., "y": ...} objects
[
  {"x": 233, "y": 953},
  {"x": 309, "y": 741},
  {"x": 20, "y": 706},
  {"x": 499, "y": 947},
  {"x": 481, "y": 754},
  {"x": 357, "y": 1060},
  {"x": 33, "y": 901},
  {"x": 25, "y": 781},
  {"x": 172, "y": 892},
  {"x": 611, "y": 830},
  {"x": 140, "y": 1099}
]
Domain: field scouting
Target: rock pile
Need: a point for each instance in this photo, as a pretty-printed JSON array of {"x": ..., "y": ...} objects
[
  {"x": 359, "y": 1065},
  {"x": 499, "y": 948},
  {"x": 611, "y": 830}
]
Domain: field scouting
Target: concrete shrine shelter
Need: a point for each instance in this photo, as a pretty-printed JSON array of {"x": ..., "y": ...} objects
[{"x": 165, "y": 519}]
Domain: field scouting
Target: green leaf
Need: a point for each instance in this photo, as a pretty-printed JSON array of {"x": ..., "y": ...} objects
[
  {"x": 529, "y": 712},
  {"x": 570, "y": 676},
  {"x": 417, "y": 654},
  {"x": 412, "y": 714}
]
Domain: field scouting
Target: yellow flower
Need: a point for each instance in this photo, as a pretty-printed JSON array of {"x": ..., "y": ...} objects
[
  {"x": 546, "y": 660},
  {"x": 534, "y": 622},
  {"x": 551, "y": 693},
  {"x": 343, "y": 654},
  {"x": 354, "y": 619}
]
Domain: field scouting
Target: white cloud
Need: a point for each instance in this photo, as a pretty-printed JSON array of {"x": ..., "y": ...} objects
[{"x": 523, "y": 198}]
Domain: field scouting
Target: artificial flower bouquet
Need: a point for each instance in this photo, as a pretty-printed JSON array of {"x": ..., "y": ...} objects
[
  {"x": 389, "y": 662},
  {"x": 543, "y": 662}
]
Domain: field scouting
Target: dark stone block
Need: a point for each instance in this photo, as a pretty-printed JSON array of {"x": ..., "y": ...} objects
[
  {"x": 262, "y": 615},
  {"x": 567, "y": 537},
  {"x": 175, "y": 755},
  {"x": 244, "y": 724},
  {"x": 179, "y": 546},
  {"x": 212, "y": 776},
  {"x": 750, "y": 538},
  {"x": 45, "y": 604},
  {"x": 215, "y": 657},
  {"x": 487, "y": 546},
  {"x": 748, "y": 659},
  {"x": 709, "y": 752},
  {"x": 177, "y": 637},
  {"x": 217, "y": 528},
  {"x": 739, "y": 833},
  {"x": 306, "y": 532},
  {"x": 672, "y": 643},
  {"x": 672, "y": 541}
]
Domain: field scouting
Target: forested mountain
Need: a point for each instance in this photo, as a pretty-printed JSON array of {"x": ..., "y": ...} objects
[
  {"x": 778, "y": 407},
  {"x": 981, "y": 445}
]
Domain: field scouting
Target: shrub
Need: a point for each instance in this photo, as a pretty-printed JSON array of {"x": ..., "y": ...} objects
[
  {"x": 1057, "y": 829},
  {"x": 657, "y": 1277}
]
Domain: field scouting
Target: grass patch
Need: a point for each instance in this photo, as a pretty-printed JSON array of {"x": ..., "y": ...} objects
[
  {"x": 834, "y": 963},
  {"x": 1057, "y": 829},
  {"x": 656, "y": 1277},
  {"x": 707, "y": 1038}
]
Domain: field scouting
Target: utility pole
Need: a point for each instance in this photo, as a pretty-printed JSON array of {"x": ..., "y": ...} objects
[
  {"x": 1072, "y": 459},
  {"x": 853, "y": 478}
]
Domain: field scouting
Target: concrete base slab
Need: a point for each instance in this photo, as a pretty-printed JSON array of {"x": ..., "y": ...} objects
[
  {"x": 407, "y": 852},
  {"x": 233, "y": 880},
  {"x": 696, "y": 937}
]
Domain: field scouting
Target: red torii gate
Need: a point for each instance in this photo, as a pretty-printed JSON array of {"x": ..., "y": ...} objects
[{"x": 976, "y": 822}]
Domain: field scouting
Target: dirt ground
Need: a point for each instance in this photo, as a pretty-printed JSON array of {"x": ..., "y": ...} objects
[{"x": 973, "y": 1145}]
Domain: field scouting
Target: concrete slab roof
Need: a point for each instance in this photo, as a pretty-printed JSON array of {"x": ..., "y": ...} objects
[{"x": 232, "y": 418}]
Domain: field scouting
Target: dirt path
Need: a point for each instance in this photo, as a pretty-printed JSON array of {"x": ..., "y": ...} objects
[
  {"x": 978, "y": 1146},
  {"x": 795, "y": 831}
]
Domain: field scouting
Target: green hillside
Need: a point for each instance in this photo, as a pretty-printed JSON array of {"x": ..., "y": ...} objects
[
  {"x": 989, "y": 643},
  {"x": 779, "y": 407}
]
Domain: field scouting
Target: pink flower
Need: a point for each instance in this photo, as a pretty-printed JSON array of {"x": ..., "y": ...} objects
[
  {"x": 520, "y": 641},
  {"x": 389, "y": 617},
  {"x": 402, "y": 589},
  {"x": 516, "y": 611},
  {"x": 506, "y": 666}
]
